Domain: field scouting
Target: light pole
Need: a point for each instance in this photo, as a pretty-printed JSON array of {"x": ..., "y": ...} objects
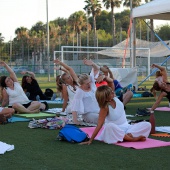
[
  {"x": 48, "y": 46},
  {"x": 10, "y": 51},
  {"x": 87, "y": 30}
]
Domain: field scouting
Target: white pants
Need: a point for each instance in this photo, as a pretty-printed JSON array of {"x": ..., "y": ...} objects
[
  {"x": 91, "y": 117},
  {"x": 1, "y": 108}
]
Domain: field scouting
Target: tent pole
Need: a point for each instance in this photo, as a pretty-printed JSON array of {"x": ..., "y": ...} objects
[{"x": 133, "y": 57}]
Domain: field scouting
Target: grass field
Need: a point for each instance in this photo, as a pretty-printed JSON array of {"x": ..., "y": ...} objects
[{"x": 39, "y": 149}]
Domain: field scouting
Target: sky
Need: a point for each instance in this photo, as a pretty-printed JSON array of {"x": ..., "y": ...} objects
[{"x": 26, "y": 13}]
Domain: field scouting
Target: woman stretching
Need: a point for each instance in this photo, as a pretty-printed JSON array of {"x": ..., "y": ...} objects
[
  {"x": 13, "y": 94},
  {"x": 113, "y": 117}
]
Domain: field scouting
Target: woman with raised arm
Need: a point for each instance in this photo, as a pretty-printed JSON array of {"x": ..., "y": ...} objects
[
  {"x": 112, "y": 116},
  {"x": 84, "y": 102},
  {"x": 161, "y": 85},
  {"x": 118, "y": 88},
  {"x": 66, "y": 84},
  {"x": 13, "y": 94}
]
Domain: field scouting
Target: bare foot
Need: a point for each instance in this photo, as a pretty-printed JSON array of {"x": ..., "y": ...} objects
[
  {"x": 130, "y": 135},
  {"x": 139, "y": 138}
]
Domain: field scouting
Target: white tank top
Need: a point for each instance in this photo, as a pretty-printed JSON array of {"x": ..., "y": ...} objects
[
  {"x": 71, "y": 92},
  {"x": 17, "y": 95}
]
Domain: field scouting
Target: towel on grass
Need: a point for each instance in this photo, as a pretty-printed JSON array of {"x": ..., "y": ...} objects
[
  {"x": 4, "y": 147},
  {"x": 54, "y": 110},
  {"x": 165, "y": 129}
]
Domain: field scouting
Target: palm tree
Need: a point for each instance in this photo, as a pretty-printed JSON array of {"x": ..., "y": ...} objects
[
  {"x": 112, "y": 4},
  {"x": 1, "y": 43},
  {"x": 77, "y": 22},
  {"x": 22, "y": 35},
  {"x": 93, "y": 7},
  {"x": 135, "y": 3},
  {"x": 1, "y": 38}
]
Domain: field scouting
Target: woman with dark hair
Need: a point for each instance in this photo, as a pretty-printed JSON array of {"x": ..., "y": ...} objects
[
  {"x": 161, "y": 85},
  {"x": 31, "y": 86},
  {"x": 13, "y": 94}
]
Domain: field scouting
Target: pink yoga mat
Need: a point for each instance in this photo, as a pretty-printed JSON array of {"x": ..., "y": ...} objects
[
  {"x": 149, "y": 143},
  {"x": 163, "y": 109}
]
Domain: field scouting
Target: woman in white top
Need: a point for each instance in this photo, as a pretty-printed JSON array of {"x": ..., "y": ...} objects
[
  {"x": 13, "y": 94},
  {"x": 66, "y": 84},
  {"x": 113, "y": 117},
  {"x": 85, "y": 102}
]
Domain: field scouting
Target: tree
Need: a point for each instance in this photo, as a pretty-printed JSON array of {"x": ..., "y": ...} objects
[
  {"x": 112, "y": 4},
  {"x": 1, "y": 38},
  {"x": 135, "y": 3},
  {"x": 77, "y": 22},
  {"x": 22, "y": 35},
  {"x": 93, "y": 7},
  {"x": 164, "y": 32}
]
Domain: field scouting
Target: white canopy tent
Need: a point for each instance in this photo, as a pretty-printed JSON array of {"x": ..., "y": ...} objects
[
  {"x": 143, "y": 49},
  {"x": 157, "y": 9}
]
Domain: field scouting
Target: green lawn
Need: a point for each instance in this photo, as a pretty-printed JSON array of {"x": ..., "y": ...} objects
[{"x": 39, "y": 149}]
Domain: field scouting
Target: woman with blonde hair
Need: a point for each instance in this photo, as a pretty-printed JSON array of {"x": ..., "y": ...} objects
[{"x": 66, "y": 84}]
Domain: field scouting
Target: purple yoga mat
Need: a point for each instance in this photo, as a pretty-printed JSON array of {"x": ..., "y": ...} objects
[{"x": 149, "y": 143}]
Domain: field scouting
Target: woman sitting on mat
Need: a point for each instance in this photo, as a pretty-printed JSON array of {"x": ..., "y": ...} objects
[
  {"x": 85, "y": 102},
  {"x": 113, "y": 117},
  {"x": 66, "y": 85},
  {"x": 13, "y": 94},
  {"x": 161, "y": 85},
  {"x": 31, "y": 86}
]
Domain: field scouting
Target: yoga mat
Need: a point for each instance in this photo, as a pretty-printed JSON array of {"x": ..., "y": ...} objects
[
  {"x": 136, "y": 95},
  {"x": 161, "y": 135},
  {"x": 33, "y": 115},
  {"x": 167, "y": 109},
  {"x": 17, "y": 119},
  {"x": 149, "y": 143}
]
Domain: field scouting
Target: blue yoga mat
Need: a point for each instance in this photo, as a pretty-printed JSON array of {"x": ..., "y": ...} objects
[
  {"x": 135, "y": 95},
  {"x": 18, "y": 119}
]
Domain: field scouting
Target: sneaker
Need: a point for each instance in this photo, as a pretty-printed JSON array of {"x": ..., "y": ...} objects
[{"x": 142, "y": 112}]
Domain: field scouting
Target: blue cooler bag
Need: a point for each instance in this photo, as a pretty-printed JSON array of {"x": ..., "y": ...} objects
[{"x": 72, "y": 134}]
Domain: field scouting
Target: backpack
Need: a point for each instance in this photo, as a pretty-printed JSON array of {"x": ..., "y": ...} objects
[
  {"x": 142, "y": 112},
  {"x": 147, "y": 94},
  {"x": 48, "y": 93},
  {"x": 72, "y": 134}
]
